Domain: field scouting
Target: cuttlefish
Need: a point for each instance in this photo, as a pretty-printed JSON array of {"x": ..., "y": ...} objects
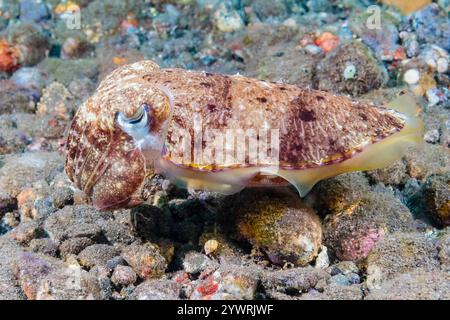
[{"x": 222, "y": 133}]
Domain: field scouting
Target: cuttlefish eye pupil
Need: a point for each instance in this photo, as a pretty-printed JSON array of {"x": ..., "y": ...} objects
[{"x": 137, "y": 126}]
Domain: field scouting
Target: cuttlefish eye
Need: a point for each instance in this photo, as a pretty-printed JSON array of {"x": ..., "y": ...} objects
[{"x": 137, "y": 126}]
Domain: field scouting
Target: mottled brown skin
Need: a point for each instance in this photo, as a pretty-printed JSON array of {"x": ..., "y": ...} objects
[{"x": 316, "y": 127}]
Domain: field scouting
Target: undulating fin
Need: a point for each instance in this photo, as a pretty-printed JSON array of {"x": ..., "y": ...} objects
[
  {"x": 406, "y": 104},
  {"x": 224, "y": 182},
  {"x": 374, "y": 156}
]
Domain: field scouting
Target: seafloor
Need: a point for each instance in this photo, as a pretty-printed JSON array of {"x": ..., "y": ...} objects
[{"x": 375, "y": 235}]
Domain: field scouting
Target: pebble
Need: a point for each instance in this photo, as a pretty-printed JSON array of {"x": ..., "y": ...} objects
[
  {"x": 123, "y": 276},
  {"x": 211, "y": 246},
  {"x": 313, "y": 49},
  {"x": 322, "y": 260},
  {"x": 375, "y": 214},
  {"x": 45, "y": 246},
  {"x": 433, "y": 96},
  {"x": 25, "y": 232},
  {"x": 432, "y": 136},
  {"x": 74, "y": 246},
  {"x": 145, "y": 259},
  {"x": 370, "y": 74},
  {"x": 9, "y": 57},
  {"x": 227, "y": 20},
  {"x": 31, "y": 78},
  {"x": 285, "y": 228},
  {"x": 431, "y": 26},
  {"x": 416, "y": 284},
  {"x": 97, "y": 255},
  {"x": 400, "y": 253},
  {"x": 195, "y": 262},
  {"x": 32, "y": 42},
  {"x": 435, "y": 57},
  {"x": 327, "y": 41},
  {"x": 73, "y": 222},
  {"x": 411, "y": 76},
  {"x": 349, "y": 72},
  {"x": 33, "y": 10},
  {"x": 435, "y": 198},
  {"x": 74, "y": 47},
  {"x": 57, "y": 101},
  {"x": 157, "y": 289}
]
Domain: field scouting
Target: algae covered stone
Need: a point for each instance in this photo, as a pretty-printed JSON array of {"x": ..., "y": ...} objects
[{"x": 285, "y": 228}]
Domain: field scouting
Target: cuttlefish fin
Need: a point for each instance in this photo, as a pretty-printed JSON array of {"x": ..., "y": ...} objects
[
  {"x": 374, "y": 156},
  {"x": 224, "y": 182},
  {"x": 406, "y": 104}
]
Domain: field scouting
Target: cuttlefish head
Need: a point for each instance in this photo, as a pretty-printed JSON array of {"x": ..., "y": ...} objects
[{"x": 117, "y": 135}]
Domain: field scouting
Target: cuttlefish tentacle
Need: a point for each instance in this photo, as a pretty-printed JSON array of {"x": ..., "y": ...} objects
[{"x": 201, "y": 130}]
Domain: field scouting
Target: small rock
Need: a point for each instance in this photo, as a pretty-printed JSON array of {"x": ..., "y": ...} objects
[
  {"x": 65, "y": 71},
  {"x": 434, "y": 198},
  {"x": 30, "y": 269},
  {"x": 145, "y": 259},
  {"x": 97, "y": 255},
  {"x": 74, "y": 47},
  {"x": 428, "y": 160},
  {"x": 31, "y": 78},
  {"x": 154, "y": 289},
  {"x": 123, "y": 276},
  {"x": 353, "y": 233},
  {"x": 15, "y": 98},
  {"x": 431, "y": 26},
  {"x": 227, "y": 20},
  {"x": 282, "y": 226},
  {"x": 116, "y": 232},
  {"x": 435, "y": 57},
  {"x": 195, "y": 262},
  {"x": 409, "y": 41},
  {"x": 383, "y": 39},
  {"x": 44, "y": 246},
  {"x": 293, "y": 281},
  {"x": 349, "y": 72},
  {"x": 400, "y": 253},
  {"x": 20, "y": 171},
  {"x": 74, "y": 222},
  {"x": 433, "y": 97},
  {"x": 32, "y": 42},
  {"x": 210, "y": 246},
  {"x": 443, "y": 246},
  {"x": 370, "y": 74},
  {"x": 114, "y": 262},
  {"x": 25, "y": 232},
  {"x": 33, "y": 10},
  {"x": 335, "y": 291},
  {"x": 417, "y": 284},
  {"x": 9, "y": 56},
  {"x": 395, "y": 174},
  {"x": 411, "y": 76},
  {"x": 322, "y": 260},
  {"x": 74, "y": 246},
  {"x": 432, "y": 136},
  {"x": 57, "y": 101},
  {"x": 346, "y": 268}
]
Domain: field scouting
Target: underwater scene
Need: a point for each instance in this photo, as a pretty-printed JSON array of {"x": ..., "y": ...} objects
[{"x": 224, "y": 150}]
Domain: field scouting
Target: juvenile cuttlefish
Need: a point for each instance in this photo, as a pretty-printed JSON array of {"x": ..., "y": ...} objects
[{"x": 222, "y": 133}]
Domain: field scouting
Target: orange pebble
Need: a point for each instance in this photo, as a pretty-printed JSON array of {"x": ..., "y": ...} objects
[
  {"x": 120, "y": 61},
  {"x": 9, "y": 57},
  {"x": 399, "y": 54},
  {"x": 327, "y": 41}
]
